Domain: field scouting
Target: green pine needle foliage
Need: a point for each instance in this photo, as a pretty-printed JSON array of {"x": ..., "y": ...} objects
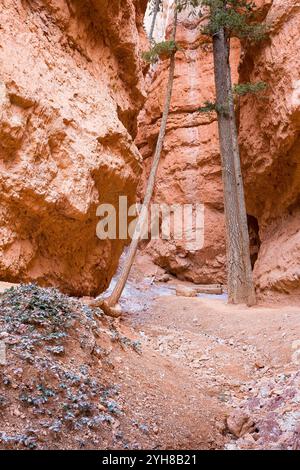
[
  {"x": 243, "y": 89},
  {"x": 234, "y": 16},
  {"x": 183, "y": 4},
  {"x": 160, "y": 49},
  {"x": 208, "y": 107}
]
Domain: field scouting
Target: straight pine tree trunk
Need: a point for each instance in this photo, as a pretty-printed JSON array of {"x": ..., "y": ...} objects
[
  {"x": 154, "y": 13},
  {"x": 250, "y": 296},
  {"x": 240, "y": 285},
  {"x": 109, "y": 305}
]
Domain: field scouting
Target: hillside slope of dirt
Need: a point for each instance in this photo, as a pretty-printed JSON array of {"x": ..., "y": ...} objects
[
  {"x": 173, "y": 373},
  {"x": 73, "y": 379}
]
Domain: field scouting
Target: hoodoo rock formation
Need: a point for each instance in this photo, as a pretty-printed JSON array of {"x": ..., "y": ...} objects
[{"x": 71, "y": 86}]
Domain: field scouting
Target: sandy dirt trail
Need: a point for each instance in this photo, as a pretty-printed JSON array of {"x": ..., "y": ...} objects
[
  {"x": 206, "y": 375},
  {"x": 210, "y": 361}
]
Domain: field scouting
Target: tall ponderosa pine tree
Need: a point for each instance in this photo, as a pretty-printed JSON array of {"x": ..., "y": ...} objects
[
  {"x": 231, "y": 18},
  {"x": 110, "y": 304}
]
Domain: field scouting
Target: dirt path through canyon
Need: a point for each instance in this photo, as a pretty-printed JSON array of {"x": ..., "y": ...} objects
[
  {"x": 213, "y": 375},
  {"x": 205, "y": 375}
]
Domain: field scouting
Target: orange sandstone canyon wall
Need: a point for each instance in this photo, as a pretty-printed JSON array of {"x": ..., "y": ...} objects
[
  {"x": 270, "y": 150},
  {"x": 190, "y": 168},
  {"x": 71, "y": 86}
]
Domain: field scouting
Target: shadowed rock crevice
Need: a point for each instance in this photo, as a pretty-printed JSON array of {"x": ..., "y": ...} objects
[{"x": 254, "y": 239}]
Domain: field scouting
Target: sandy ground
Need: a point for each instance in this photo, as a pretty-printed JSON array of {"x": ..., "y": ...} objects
[
  {"x": 218, "y": 358},
  {"x": 209, "y": 375}
]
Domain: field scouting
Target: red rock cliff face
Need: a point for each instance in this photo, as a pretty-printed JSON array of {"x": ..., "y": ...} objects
[
  {"x": 270, "y": 147},
  {"x": 190, "y": 169},
  {"x": 70, "y": 90},
  {"x": 270, "y": 150}
]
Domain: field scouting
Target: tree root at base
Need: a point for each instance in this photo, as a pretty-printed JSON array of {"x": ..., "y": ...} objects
[{"x": 114, "y": 311}]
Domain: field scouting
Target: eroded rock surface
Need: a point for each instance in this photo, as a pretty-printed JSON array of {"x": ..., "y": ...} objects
[
  {"x": 270, "y": 148},
  {"x": 190, "y": 169},
  {"x": 71, "y": 86}
]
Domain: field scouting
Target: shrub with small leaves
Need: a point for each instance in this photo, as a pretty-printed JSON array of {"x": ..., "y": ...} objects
[
  {"x": 28, "y": 304},
  {"x": 56, "y": 394},
  {"x": 160, "y": 50}
]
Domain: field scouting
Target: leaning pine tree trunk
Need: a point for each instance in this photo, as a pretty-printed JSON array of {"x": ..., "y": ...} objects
[
  {"x": 110, "y": 304},
  {"x": 239, "y": 283}
]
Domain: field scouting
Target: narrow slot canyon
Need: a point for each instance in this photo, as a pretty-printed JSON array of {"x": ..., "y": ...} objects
[{"x": 179, "y": 366}]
